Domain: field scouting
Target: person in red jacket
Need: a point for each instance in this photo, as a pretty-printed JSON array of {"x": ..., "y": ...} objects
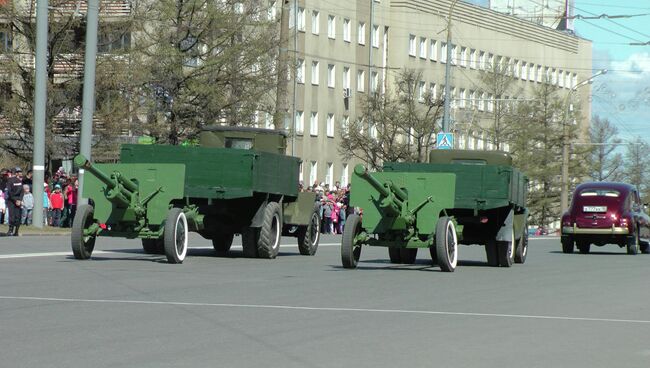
[{"x": 56, "y": 203}]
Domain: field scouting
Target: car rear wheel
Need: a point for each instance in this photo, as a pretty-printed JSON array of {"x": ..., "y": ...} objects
[
  {"x": 633, "y": 243},
  {"x": 583, "y": 247},
  {"x": 567, "y": 244}
]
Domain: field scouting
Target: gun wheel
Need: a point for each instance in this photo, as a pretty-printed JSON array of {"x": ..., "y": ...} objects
[
  {"x": 446, "y": 244},
  {"x": 506, "y": 250},
  {"x": 522, "y": 246},
  {"x": 82, "y": 244},
  {"x": 175, "y": 236},
  {"x": 351, "y": 249},
  {"x": 309, "y": 236},
  {"x": 221, "y": 242}
]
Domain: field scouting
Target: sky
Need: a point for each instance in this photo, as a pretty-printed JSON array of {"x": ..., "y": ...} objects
[{"x": 623, "y": 94}]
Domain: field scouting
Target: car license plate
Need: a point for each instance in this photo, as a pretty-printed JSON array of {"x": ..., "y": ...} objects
[{"x": 594, "y": 209}]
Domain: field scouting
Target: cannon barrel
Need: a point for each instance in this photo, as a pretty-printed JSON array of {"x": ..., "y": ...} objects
[
  {"x": 119, "y": 189},
  {"x": 394, "y": 197}
]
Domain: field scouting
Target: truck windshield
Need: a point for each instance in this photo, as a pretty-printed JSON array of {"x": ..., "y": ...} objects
[{"x": 239, "y": 143}]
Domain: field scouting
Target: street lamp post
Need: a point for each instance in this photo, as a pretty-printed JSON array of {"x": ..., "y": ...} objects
[{"x": 564, "y": 199}]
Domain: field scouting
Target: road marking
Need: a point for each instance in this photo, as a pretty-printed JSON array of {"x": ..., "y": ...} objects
[{"x": 324, "y": 309}]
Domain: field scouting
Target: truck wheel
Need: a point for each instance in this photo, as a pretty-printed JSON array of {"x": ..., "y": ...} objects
[
  {"x": 522, "y": 246},
  {"x": 221, "y": 242},
  {"x": 506, "y": 250},
  {"x": 567, "y": 244},
  {"x": 633, "y": 243},
  {"x": 584, "y": 247},
  {"x": 82, "y": 245},
  {"x": 446, "y": 244},
  {"x": 395, "y": 255},
  {"x": 491, "y": 253},
  {"x": 153, "y": 246},
  {"x": 408, "y": 255},
  {"x": 644, "y": 248},
  {"x": 249, "y": 239},
  {"x": 268, "y": 244},
  {"x": 175, "y": 236},
  {"x": 308, "y": 236},
  {"x": 351, "y": 250}
]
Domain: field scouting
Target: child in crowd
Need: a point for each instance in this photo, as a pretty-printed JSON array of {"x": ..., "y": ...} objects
[
  {"x": 27, "y": 206},
  {"x": 56, "y": 203}
]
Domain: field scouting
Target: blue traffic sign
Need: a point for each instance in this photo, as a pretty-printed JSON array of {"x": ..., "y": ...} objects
[{"x": 445, "y": 141}]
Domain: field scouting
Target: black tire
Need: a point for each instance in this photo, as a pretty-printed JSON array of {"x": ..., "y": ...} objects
[
  {"x": 583, "y": 247},
  {"x": 446, "y": 244},
  {"x": 221, "y": 242},
  {"x": 394, "y": 255},
  {"x": 434, "y": 255},
  {"x": 249, "y": 239},
  {"x": 522, "y": 246},
  {"x": 82, "y": 246},
  {"x": 175, "y": 236},
  {"x": 567, "y": 244},
  {"x": 153, "y": 246},
  {"x": 644, "y": 248},
  {"x": 633, "y": 244},
  {"x": 351, "y": 251},
  {"x": 268, "y": 244},
  {"x": 492, "y": 253},
  {"x": 309, "y": 235},
  {"x": 506, "y": 250},
  {"x": 408, "y": 255}
]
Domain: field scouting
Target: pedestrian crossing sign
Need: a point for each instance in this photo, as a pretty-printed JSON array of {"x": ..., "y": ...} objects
[{"x": 445, "y": 141}]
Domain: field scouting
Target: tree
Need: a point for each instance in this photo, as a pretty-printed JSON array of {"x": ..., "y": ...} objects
[
  {"x": 636, "y": 170},
  {"x": 203, "y": 62},
  {"x": 397, "y": 125},
  {"x": 498, "y": 82},
  {"x": 537, "y": 149},
  {"x": 606, "y": 162}
]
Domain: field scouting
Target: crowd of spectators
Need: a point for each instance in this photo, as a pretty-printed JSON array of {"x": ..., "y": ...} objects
[
  {"x": 333, "y": 205},
  {"x": 17, "y": 200}
]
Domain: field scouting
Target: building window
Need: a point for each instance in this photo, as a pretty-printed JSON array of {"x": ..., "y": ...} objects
[
  {"x": 331, "y": 26},
  {"x": 329, "y": 177},
  {"x": 539, "y": 74},
  {"x": 362, "y": 33},
  {"x": 433, "y": 50},
  {"x": 531, "y": 72},
  {"x": 301, "y": 19},
  {"x": 300, "y": 71},
  {"x": 490, "y": 103},
  {"x": 472, "y": 59},
  {"x": 461, "y": 102},
  {"x": 443, "y": 52},
  {"x": 421, "y": 91},
  {"x": 454, "y": 100},
  {"x": 481, "y": 102},
  {"x": 300, "y": 122},
  {"x": 481, "y": 60},
  {"x": 313, "y": 173},
  {"x": 433, "y": 91},
  {"x": 345, "y": 123},
  {"x": 331, "y": 75},
  {"x": 463, "y": 56},
  {"x": 574, "y": 80},
  {"x": 330, "y": 125},
  {"x": 361, "y": 81},
  {"x": 346, "y": 77},
  {"x": 490, "y": 61},
  {"x": 313, "y": 124},
  {"x": 454, "y": 54},
  {"x": 315, "y": 72},
  {"x": 423, "y": 48},
  {"x": 472, "y": 99},
  {"x": 272, "y": 12},
  {"x": 345, "y": 175},
  {"x": 554, "y": 77},
  {"x": 114, "y": 42},
  {"x": 561, "y": 79},
  {"x": 524, "y": 70},
  {"x": 346, "y": 30},
  {"x": 412, "y": 45},
  {"x": 315, "y": 22},
  {"x": 375, "y": 36},
  {"x": 374, "y": 82}
]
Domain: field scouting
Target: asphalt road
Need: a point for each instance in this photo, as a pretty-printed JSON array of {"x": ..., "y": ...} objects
[{"x": 124, "y": 308}]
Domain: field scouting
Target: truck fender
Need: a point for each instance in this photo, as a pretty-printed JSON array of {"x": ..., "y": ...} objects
[{"x": 505, "y": 232}]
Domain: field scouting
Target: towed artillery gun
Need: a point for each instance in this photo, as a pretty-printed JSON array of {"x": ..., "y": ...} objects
[
  {"x": 237, "y": 181},
  {"x": 478, "y": 197},
  {"x": 403, "y": 211}
]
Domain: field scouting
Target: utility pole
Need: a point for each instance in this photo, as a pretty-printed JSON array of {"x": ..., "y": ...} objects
[
  {"x": 40, "y": 109},
  {"x": 282, "y": 93},
  {"x": 88, "y": 102},
  {"x": 447, "y": 100},
  {"x": 564, "y": 198}
]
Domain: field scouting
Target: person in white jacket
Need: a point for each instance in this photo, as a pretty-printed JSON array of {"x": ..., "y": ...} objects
[{"x": 3, "y": 207}]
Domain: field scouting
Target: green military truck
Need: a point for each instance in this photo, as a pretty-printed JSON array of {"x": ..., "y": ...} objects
[
  {"x": 236, "y": 181},
  {"x": 489, "y": 202}
]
